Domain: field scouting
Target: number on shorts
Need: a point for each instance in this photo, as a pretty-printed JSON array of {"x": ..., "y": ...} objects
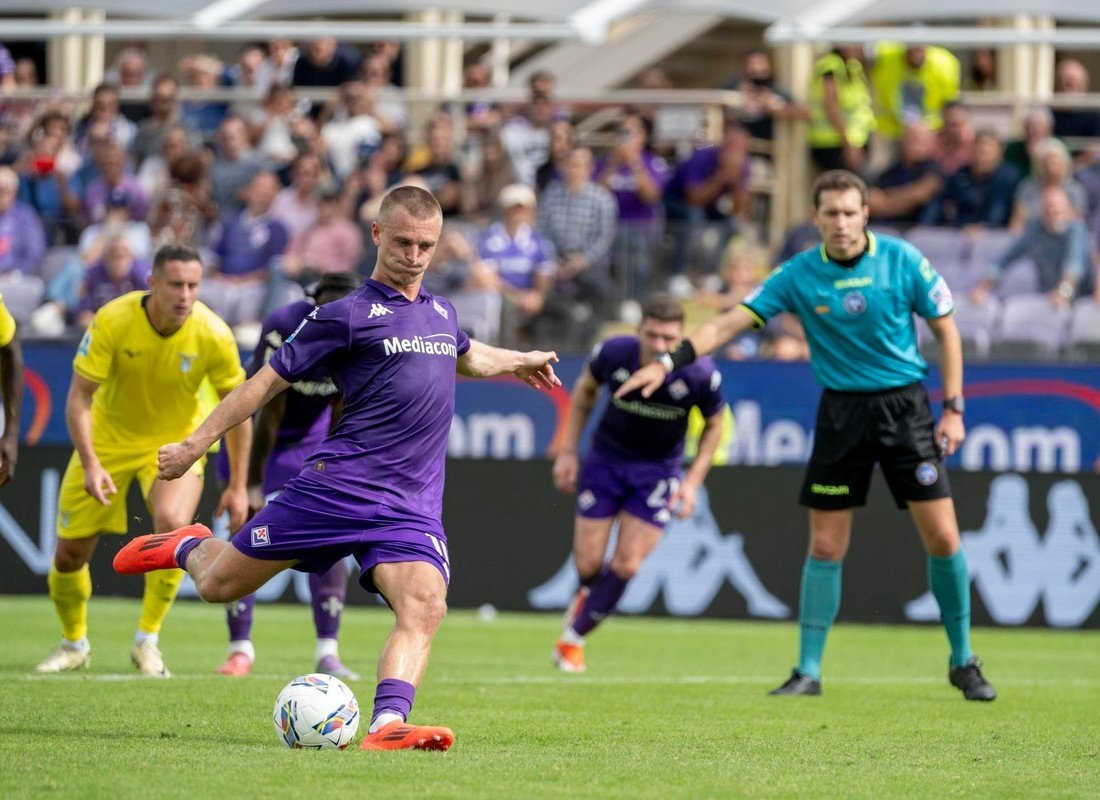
[{"x": 658, "y": 497}]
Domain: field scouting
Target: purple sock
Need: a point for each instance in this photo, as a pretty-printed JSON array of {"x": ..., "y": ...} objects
[
  {"x": 395, "y": 696},
  {"x": 328, "y": 592},
  {"x": 184, "y": 550},
  {"x": 238, "y": 616},
  {"x": 603, "y": 595}
]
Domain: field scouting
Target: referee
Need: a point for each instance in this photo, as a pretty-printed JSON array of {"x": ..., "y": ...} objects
[{"x": 856, "y": 295}]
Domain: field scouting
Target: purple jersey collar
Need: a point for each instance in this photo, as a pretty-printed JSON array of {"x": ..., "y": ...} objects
[{"x": 393, "y": 294}]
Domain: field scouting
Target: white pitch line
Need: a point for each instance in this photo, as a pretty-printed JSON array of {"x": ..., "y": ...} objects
[{"x": 588, "y": 680}]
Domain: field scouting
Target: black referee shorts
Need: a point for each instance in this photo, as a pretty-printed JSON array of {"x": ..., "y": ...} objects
[{"x": 855, "y": 430}]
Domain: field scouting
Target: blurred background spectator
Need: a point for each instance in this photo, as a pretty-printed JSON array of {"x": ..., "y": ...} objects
[
  {"x": 1056, "y": 242},
  {"x": 911, "y": 83},
  {"x": 842, "y": 116}
]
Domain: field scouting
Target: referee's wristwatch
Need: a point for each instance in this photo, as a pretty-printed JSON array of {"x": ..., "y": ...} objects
[{"x": 956, "y": 404}]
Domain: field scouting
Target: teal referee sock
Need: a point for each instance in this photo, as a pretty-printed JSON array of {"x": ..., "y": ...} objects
[
  {"x": 949, "y": 580},
  {"x": 818, "y": 603}
]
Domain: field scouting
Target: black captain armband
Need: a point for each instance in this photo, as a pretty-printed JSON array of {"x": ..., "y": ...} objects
[{"x": 682, "y": 355}]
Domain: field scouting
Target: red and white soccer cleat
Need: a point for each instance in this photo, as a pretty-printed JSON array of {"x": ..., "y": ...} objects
[
  {"x": 155, "y": 550},
  {"x": 569, "y": 657},
  {"x": 398, "y": 735},
  {"x": 236, "y": 666}
]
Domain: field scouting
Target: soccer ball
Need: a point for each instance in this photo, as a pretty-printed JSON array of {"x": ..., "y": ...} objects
[{"x": 316, "y": 712}]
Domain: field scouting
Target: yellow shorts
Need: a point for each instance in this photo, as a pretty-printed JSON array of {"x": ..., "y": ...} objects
[{"x": 79, "y": 515}]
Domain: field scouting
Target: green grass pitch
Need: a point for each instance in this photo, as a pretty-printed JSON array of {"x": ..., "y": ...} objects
[{"x": 667, "y": 709}]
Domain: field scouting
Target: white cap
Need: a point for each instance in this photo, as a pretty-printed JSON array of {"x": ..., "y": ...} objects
[{"x": 516, "y": 194}]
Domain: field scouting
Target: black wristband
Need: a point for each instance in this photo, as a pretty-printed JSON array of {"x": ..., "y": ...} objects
[{"x": 682, "y": 355}]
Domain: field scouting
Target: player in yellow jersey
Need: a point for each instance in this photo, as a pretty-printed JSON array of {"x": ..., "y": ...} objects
[
  {"x": 11, "y": 391},
  {"x": 135, "y": 385}
]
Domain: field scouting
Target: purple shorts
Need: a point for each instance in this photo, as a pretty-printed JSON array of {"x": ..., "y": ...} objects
[
  {"x": 317, "y": 526},
  {"x": 607, "y": 487}
]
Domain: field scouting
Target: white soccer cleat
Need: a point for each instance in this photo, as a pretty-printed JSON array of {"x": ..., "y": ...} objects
[
  {"x": 65, "y": 659},
  {"x": 147, "y": 658}
]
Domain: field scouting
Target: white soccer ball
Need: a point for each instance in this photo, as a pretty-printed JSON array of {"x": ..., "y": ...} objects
[{"x": 316, "y": 712}]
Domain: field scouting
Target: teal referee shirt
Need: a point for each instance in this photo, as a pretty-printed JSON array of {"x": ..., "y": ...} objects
[{"x": 858, "y": 320}]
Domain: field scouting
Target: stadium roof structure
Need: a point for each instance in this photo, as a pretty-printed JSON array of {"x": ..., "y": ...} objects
[{"x": 551, "y": 20}]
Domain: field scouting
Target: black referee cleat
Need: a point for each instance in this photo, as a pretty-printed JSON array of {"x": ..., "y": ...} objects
[
  {"x": 970, "y": 680},
  {"x": 799, "y": 684}
]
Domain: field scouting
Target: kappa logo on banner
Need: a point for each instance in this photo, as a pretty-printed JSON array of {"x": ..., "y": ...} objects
[
  {"x": 1017, "y": 570},
  {"x": 691, "y": 564},
  {"x": 260, "y": 536}
]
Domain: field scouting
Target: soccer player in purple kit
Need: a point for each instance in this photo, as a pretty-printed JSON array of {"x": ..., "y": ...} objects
[
  {"x": 632, "y": 473},
  {"x": 374, "y": 487},
  {"x": 288, "y": 429}
]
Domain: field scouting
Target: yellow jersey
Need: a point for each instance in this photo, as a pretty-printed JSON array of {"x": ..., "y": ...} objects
[
  {"x": 7, "y": 324},
  {"x": 148, "y": 383},
  {"x": 853, "y": 96},
  {"x": 904, "y": 93}
]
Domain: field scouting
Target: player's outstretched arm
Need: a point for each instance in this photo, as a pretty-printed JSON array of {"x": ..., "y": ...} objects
[
  {"x": 533, "y": 367},
  {"x": 705, "y": 340},
  {"x": 240, "y": 404}
]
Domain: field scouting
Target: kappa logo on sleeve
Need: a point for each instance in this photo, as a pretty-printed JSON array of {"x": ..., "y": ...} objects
[{"x": 260, "y": 536}]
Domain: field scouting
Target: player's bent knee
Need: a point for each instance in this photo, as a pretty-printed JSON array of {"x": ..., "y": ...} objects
[
  {"x": 70, "y": 556},
  {"x": 424, "y": 611}
]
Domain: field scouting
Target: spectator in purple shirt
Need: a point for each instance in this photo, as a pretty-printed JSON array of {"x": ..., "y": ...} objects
[
  {"x": 115, "y": 181},
  {"x": 636, "y": 176},
  {"x": 114, "y": 275},
  {"x": 516, "y": 259},
  {"x": 22, "y": 247},
  {"x": 710, "y": 189},
  {"x": 243, "y": 252}
]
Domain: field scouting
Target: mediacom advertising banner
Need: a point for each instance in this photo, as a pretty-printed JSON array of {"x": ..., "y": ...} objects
[
  {"x": 1030, "y": 539},
  {"x": 1020, "y": 418}
]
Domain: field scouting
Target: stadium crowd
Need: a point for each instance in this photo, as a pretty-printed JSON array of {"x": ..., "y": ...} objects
[{"x": 547, "y": 238}]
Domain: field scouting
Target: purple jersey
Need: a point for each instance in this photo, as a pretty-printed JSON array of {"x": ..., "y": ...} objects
[
  {"x": 624, "y": 185},
  {"x": 308, "y": 400},
  {"x": 650, "y": 429},
  {"x": 517, "y": 260},
  {"x": 394, "y": 361}
]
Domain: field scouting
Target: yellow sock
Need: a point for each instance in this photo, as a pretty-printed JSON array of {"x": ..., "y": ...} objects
[
  {"x": 160, "y": 590},
  {"x": 70, "y": 592}
]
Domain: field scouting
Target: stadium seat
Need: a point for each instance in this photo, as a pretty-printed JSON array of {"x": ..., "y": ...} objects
[
  {"x": 988, "y": 245},
  {"x": 977, "y": 324},
  {"x": 1021, "y": 277},
  {"x": 959, "y": 274},
  {"x": 938, "y": 244},
  {"x": 22, "y": 295},
  {"x": 1031, "y": 328},
  {"x": 478, "y": 313},
  {"x": 1083, "y": 342}
]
